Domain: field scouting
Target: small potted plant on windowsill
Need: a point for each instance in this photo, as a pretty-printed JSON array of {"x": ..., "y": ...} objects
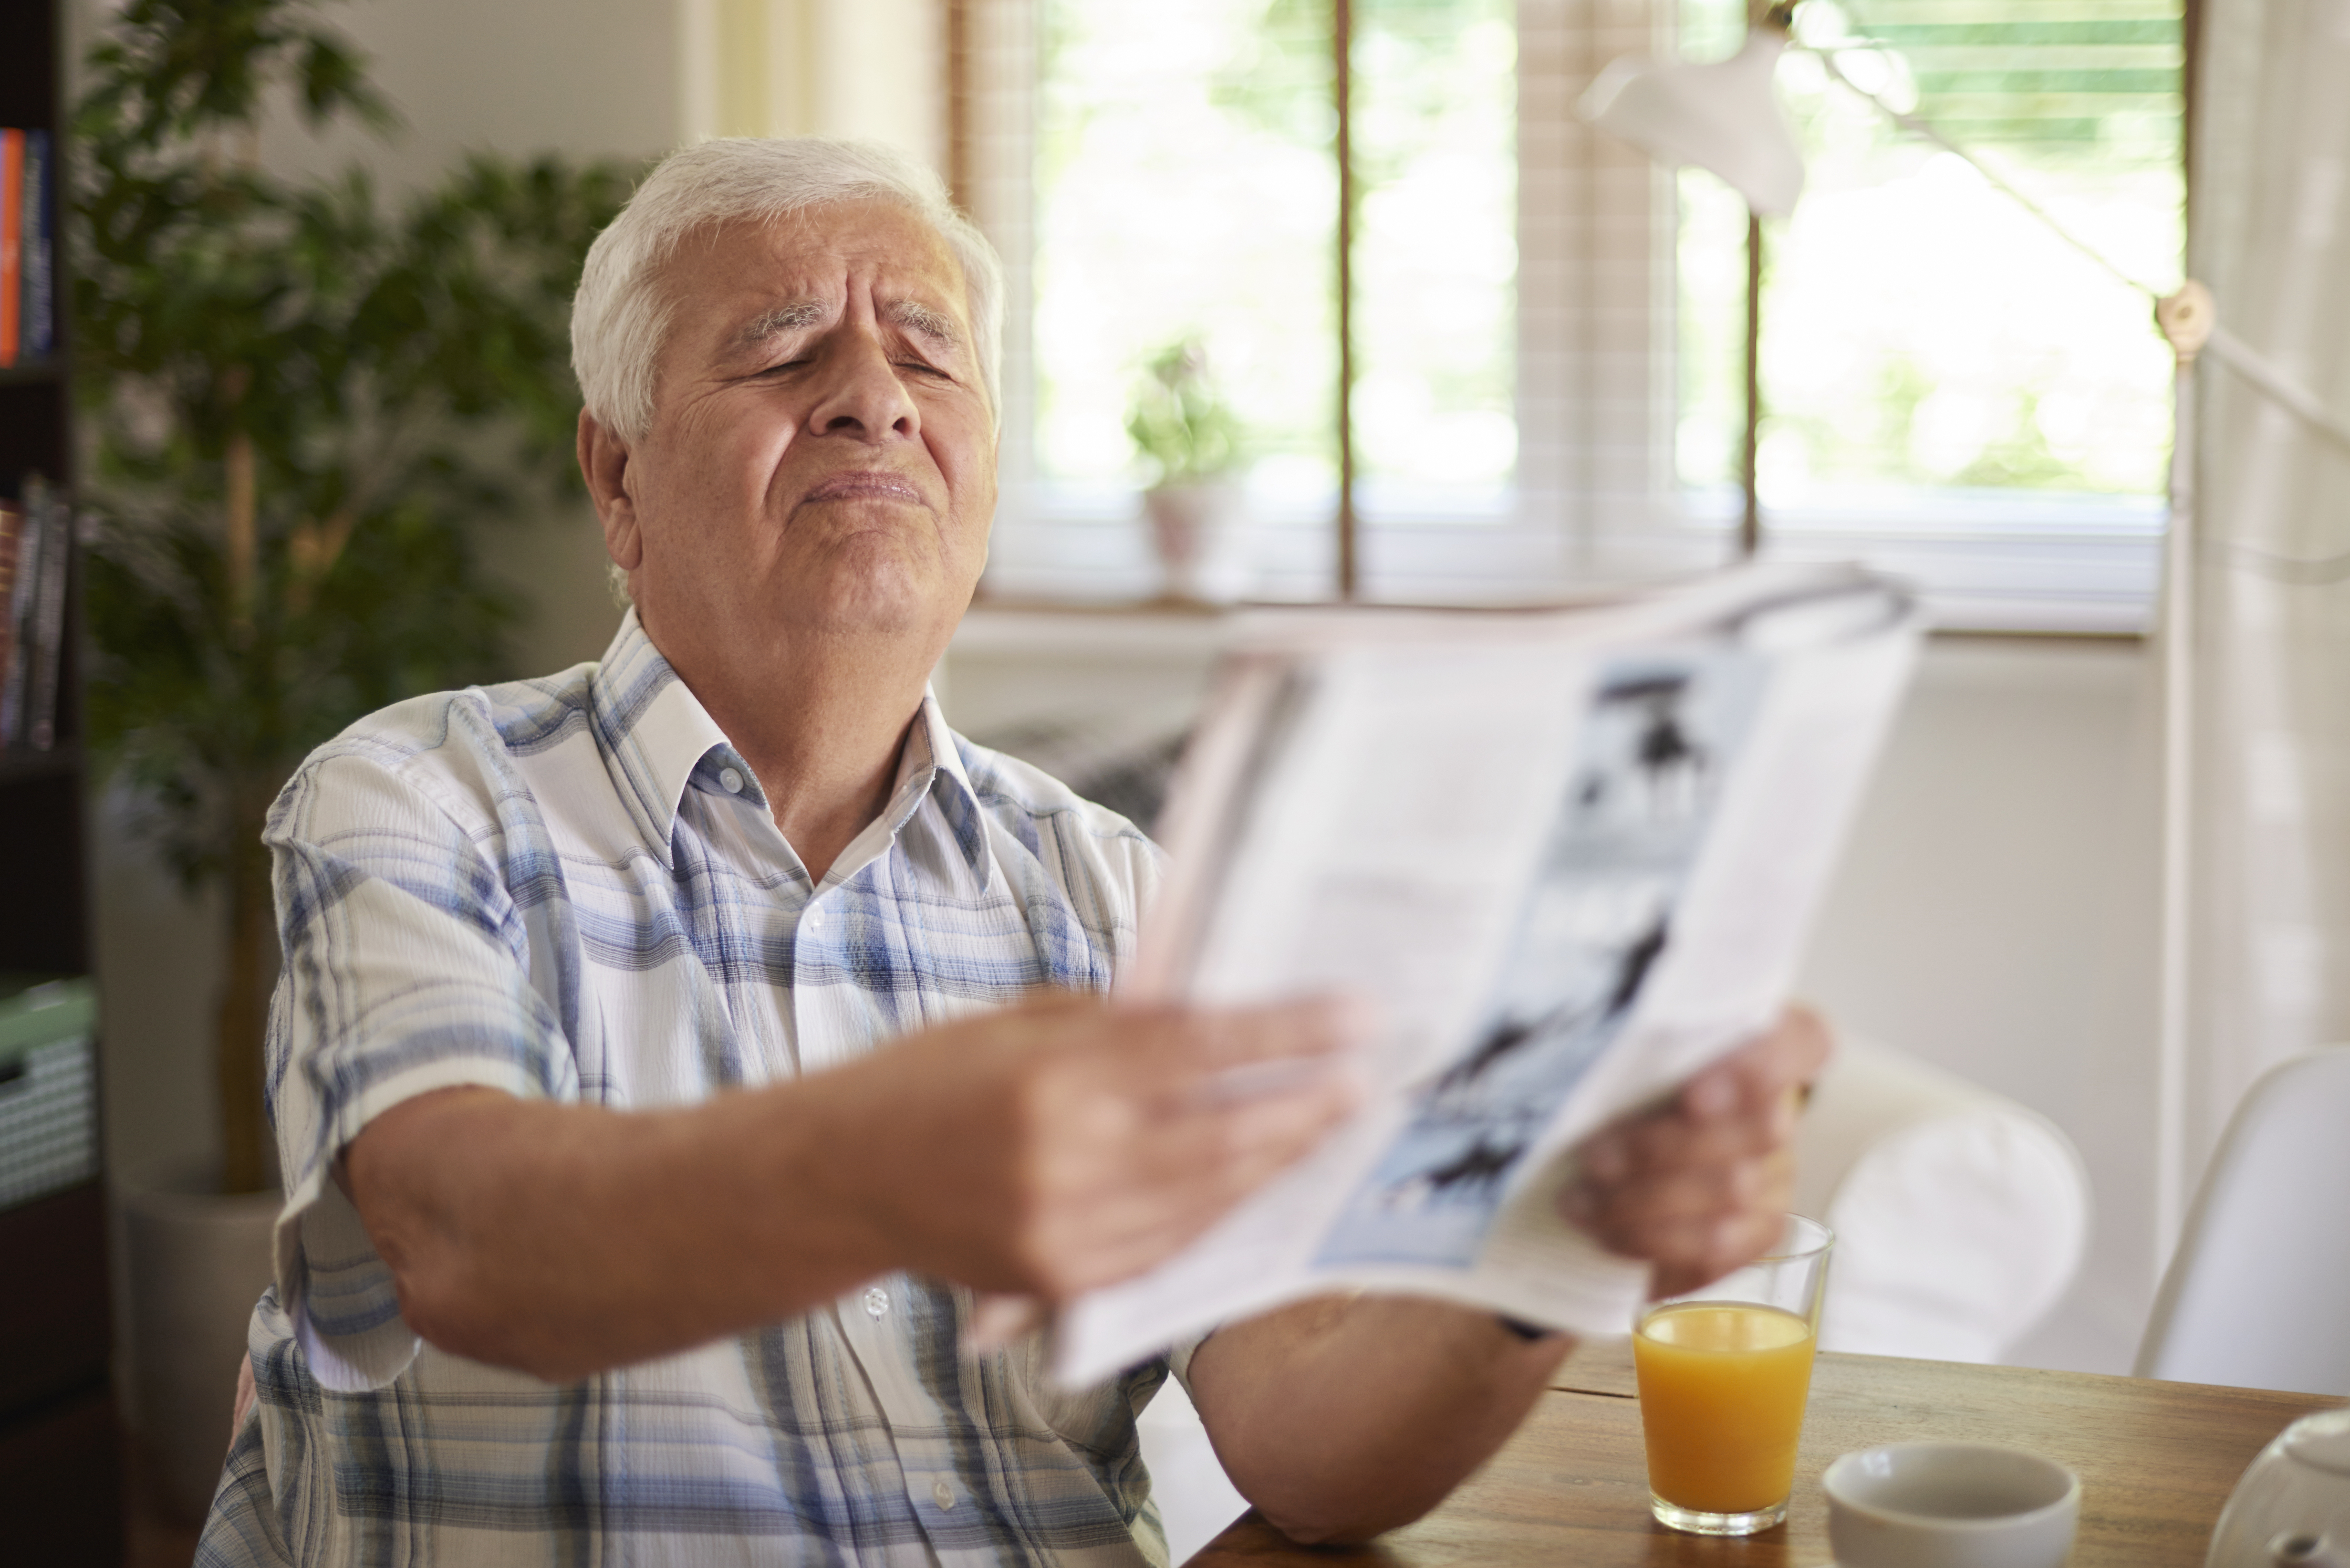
[{"x": 1181, "y": 425}]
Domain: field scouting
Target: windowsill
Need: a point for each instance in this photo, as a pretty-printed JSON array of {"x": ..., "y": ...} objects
[
  {"x": 2087, "y": 565},
  {"x": 1136, "y": 629},
  {"x": 1984, "y": 564},
  {"x": 1159, "y": 634}
]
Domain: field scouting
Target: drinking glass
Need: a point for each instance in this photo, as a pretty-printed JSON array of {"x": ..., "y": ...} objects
[{"x": 1724, "y": 1373}]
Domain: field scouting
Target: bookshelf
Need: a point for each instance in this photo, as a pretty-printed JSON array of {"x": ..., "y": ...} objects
[{"x": 59, "y": 1466}]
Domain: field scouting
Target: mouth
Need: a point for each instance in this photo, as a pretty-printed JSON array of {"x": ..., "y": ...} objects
[{"x": 865, "y": 486}]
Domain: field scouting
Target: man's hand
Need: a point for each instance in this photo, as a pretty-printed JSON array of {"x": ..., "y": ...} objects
[
  {"x": 1340, "y": 1419},
  {"x": 1061, "y": 1144},
  {"x": 1698, "y": 1185}
]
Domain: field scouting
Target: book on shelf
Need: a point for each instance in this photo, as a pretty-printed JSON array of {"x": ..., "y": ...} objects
[
  {"x": 38, "y": 248},
  {"x": 35, "y": 603},
  {"x": 12, "y": 236},
  {"x": 24, "y": 549},
  {"x": 12, "y": 533},
  {"x": 28, "y": 269},
  {"x": 48, "y": 1085}
]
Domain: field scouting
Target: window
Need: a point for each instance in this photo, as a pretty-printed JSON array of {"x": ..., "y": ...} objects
[
  {"x": 1545, "y": 327},
  {"x": 1187, "y": 187},
  {"x": 1183, "y": 183},
  {"x": 1936, "y": 364}
]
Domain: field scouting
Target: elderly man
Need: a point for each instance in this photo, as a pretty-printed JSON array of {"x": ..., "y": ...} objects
[{"x": 671, "y": 1053}]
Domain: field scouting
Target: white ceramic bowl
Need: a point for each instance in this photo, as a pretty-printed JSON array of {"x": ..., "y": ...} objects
[{"x": 1951, "y": 1505}]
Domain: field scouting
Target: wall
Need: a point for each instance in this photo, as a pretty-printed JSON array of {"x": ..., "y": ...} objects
[{"x": 1995, "y": 914}]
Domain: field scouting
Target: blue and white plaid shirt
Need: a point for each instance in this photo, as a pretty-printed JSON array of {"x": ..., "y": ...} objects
[{"x": 571, "y": 890}]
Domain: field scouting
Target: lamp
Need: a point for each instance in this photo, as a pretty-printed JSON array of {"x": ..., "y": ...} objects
[{"x": 1723, "y": 117}]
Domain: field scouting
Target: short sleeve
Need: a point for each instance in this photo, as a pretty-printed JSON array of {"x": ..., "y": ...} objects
[
  {"x": 1179, "y": 1357},
  {"x": 406, "y": 970}
]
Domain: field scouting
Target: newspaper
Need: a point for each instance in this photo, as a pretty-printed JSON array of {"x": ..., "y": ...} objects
[{"x": 1570, "y": 856}]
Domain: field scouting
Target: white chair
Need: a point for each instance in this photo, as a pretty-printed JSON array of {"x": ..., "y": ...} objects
[
  {"x": 1961, "y": 1217},
  {"x": 2258, "y": 1295}
]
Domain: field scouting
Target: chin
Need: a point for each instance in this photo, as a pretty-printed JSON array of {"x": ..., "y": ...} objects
[{"x": 880, "y": 590}]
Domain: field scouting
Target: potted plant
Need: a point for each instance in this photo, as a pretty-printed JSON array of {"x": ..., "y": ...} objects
[
  {"x": 298, "y": 403},
  {"x": 1186, "y": 432}
]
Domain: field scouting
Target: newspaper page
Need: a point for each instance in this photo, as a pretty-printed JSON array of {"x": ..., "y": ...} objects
[{"x": 1570, "y": 856}]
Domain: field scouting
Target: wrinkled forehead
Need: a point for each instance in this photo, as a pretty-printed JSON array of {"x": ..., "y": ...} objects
[{"x": 821, "y": 253}]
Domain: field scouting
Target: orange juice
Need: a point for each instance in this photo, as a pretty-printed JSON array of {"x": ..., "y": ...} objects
[{"x": 1722, "y": 1402}]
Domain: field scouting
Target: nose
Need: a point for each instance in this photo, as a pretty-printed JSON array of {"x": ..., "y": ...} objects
[{"x": 860, "y": 395}]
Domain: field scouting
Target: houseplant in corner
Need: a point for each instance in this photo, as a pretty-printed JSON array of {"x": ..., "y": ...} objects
[
  {"x": 299, "y": 402},
  {"x": 1186, "y": 432}
]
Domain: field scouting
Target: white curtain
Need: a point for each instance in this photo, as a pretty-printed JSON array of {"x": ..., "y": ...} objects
[{"x": 2269, "y": 783}]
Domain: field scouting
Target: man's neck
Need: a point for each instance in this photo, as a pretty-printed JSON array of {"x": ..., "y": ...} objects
[{"x": 821, "y": 719}]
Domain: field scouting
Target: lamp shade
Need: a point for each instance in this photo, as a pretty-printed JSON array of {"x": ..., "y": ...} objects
[{"x": 1721, "y": 117}]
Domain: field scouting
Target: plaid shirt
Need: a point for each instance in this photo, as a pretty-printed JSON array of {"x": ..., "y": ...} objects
[{"x": 571, "y": 890}]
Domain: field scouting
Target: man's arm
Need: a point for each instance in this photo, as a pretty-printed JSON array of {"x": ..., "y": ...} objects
[
  {"x": 1339, "y": 1418},
  {"x": 1041, "y": 1150}
]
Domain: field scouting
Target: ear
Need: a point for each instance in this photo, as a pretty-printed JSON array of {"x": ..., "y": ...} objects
[{"x": 604, "y": 463}]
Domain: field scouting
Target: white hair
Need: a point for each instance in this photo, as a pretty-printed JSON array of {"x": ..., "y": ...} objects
[{"x": 620, "y": 315}]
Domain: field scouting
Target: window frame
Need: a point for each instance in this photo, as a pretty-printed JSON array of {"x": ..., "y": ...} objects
[{"x": 1596, "y": 499}]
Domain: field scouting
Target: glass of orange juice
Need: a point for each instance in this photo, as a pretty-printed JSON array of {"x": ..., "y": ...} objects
[{"x": 1723, "y": 1375}]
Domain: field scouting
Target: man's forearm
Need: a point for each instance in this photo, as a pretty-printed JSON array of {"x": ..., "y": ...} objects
[
  {"x": 564, "y": 1239},
  {"x": 1045, "y": 1149},
  {"x": 1341, "y": 1417}
]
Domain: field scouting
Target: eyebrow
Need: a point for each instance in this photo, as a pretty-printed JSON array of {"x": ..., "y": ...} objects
[
  {"x": 802, "y": 314},
  {"x": 770, "y": 325},
  {"x": 916, "y": 317}
]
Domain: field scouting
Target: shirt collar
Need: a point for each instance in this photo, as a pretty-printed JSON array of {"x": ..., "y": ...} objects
[
  {"x": 655, "y": 733},
  {"x": 931, "y": 765}
]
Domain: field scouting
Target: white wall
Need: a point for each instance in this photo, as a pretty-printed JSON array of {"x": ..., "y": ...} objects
[
  {"x": 583, "y": 77},
  {"x": 1995, "y": 914}
]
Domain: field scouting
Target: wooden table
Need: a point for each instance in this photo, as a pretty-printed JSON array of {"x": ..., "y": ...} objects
[{"x": 2157, "y": 1463}]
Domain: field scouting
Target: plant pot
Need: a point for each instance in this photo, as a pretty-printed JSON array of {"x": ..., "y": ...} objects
[
  {"x": 197, "y": 1263},
  {"x": 1202, "y": 537}
]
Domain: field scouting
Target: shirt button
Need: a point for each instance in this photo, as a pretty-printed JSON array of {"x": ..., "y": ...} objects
[
  {"x": 876, "y": 1305},
  {"x": 815, "y": 919},
  {"x": 731, "y": 780},
  {"x": 942, "y": 1494}
]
